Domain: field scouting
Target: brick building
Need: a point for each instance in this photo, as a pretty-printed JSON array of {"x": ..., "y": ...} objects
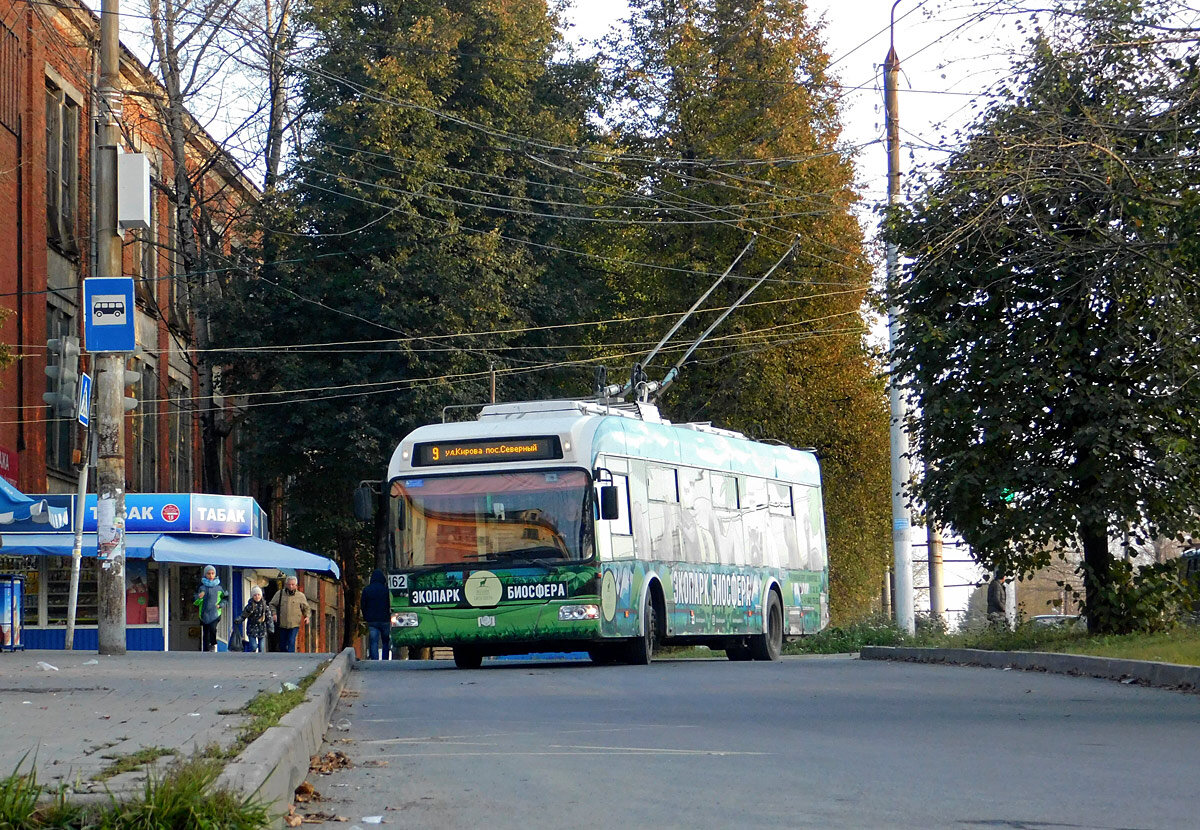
[{"x": 49, "y": 69}]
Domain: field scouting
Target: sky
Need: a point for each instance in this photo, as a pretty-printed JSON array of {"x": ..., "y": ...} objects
[{"x": 950, "y": 51}]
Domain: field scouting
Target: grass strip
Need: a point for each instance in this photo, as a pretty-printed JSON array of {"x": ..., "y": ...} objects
[
  {"x": 265, "y": 710},
  {"x": 1179, "y": 645},
  {"x": 132, "y": 761},
  {"x": 182, "y": 797}
]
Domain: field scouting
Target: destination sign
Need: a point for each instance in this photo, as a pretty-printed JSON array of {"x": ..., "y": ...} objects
[{"x": 486, "y": 451}]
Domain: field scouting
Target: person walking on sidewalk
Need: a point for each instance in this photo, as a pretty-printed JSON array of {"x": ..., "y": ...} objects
[
  {"x": 255, "y": 616},
  {"x": 209, "y": 599},
  {"x": 291, "y": 610},
  {"x": 377, "y": 612}
]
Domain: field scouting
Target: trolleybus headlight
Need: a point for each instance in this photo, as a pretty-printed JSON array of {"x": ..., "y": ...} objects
[
  {"x": 408, "y": 620},
  {"x": 579, "y": 612}
]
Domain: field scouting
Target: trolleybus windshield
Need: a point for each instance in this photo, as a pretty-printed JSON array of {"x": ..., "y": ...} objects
[{"x": 509, "y": 518}]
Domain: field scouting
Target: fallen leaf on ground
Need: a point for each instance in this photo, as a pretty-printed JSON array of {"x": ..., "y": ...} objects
[
  {"x": 291, "y": 819},
  {"x": 321, "y": 818},
  {"x": 307, "y": 792},
  {"x": 375, "y": 763},
  {"x": 329, "y": 762}
]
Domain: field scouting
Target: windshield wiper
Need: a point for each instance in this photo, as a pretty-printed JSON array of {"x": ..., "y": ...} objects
[{"x": 522, "y": 557}]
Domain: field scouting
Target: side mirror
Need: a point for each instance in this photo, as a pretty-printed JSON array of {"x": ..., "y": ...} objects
[
  {"x": 364, "y": 502},
  {"x": 609, "y": 505}
]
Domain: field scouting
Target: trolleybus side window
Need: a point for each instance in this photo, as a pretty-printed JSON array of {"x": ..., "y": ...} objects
[
  {"x": 724, "y": 491},
  {"x": 755, "y": 494},
  {"x": 781, "y": 498},
  {"x": 622, "y": 525},
  {"x": 663, "y": 484}
]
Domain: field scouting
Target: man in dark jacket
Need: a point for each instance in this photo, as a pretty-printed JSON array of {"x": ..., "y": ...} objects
[
  {"x": 377, "y": 611},
  {"x": 997, "y": 601}
]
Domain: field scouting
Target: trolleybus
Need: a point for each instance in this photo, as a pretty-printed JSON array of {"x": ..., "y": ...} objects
[{"x": 585, "y": 526}]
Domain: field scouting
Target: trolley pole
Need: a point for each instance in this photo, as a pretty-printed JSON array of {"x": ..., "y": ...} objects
[
  {"x": 902, "y": 599},
  {"x": 110, "y": 367}
]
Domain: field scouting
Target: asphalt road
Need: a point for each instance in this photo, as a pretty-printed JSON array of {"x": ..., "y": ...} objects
[{"x": 807, "y": 742}]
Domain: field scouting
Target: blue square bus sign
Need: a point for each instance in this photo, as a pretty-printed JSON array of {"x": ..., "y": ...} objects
[{"x": 108, "y": 321}]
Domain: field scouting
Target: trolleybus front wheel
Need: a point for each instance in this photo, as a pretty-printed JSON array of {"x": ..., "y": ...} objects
[
  {"x": 641, "y": 650},
  {"x": 468, "y": 658},
  {"x": 769, "y": 644}
]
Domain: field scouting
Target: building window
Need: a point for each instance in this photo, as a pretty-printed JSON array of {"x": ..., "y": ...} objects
[
  {"x": 10, "y": 80},
  {"x": 62, "y": 169},
  {"x": 179, "y": 425},
  {"x": 145, "y": 247},
  {"x": 60, "y": 429},
  {"x": 145, "y": 430}
]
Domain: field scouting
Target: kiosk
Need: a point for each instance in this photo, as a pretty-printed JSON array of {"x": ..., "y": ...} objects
[{"x": 169, "y": 538}]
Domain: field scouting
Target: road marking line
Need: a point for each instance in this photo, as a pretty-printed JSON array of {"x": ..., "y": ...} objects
[{"x": 616, "y": 750}]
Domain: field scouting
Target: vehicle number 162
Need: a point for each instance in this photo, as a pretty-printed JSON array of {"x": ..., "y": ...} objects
[{"x": 398, "y": 582}]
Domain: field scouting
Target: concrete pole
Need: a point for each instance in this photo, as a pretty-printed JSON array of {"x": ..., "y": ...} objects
[
  {"x": 77, "y": 546},
  {"x": 937, "y": 599},
  {"x": 110, "y": 374},
  {"x": 901, "y": 522}
]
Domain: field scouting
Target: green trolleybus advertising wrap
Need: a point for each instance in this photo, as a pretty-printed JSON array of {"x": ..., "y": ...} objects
[{"x": 570, "y": 526}]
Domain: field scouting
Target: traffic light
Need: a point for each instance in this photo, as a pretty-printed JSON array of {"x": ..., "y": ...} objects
[
  {"x": 62, "y": 367},
  {"x": 132, "y": 378}
]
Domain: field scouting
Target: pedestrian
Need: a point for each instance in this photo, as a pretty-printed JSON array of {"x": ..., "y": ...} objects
[
  {"x": 997, "y": 601},
  {"x": 255, "y": 616},
  {"x": 291, "y": 610},
  {"x": 377, "y": 612},
  {"x": 209, "y": 599}
]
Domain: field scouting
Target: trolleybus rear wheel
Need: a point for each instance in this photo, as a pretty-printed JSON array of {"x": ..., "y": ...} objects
[
  {"x": 468, "y": 658},
  {"x": 769, "y": 644}
]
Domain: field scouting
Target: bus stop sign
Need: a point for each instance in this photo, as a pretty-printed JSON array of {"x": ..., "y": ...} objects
[{"x": 108, "y": 325}]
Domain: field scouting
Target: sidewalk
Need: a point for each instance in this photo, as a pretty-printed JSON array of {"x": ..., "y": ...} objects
[
  {"x": 1144, "y": 672},
  {"x": 92, "y": 706}
]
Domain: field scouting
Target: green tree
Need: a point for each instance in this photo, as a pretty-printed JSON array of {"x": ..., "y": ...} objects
[
  {"x": 728, "y": 123},
  {"x": 1050, "y": 307},
  {"x": 409, "y": 206}
]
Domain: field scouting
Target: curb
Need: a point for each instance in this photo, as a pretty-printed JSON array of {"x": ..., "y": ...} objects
[
  {"x": 273, "y": 766},
  {"x": 1143, "y": 672}
]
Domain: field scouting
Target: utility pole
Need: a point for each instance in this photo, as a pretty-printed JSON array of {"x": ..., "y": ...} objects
[
  {"x": 937, "y": 599},
  {"x": 110, "y": 366},
  {"x": 902, "y": 598}
]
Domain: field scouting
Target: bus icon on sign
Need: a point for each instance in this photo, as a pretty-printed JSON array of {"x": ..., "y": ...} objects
[{"x": 108, "y": 309}]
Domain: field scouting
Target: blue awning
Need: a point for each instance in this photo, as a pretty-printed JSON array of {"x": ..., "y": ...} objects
[
  {"x": 137, "y": 545},
  {"x": 15, "y": 506},
  {"x": 237, "y": 551}
]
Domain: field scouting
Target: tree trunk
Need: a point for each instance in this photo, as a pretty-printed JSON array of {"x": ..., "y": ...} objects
[
  {"x": 382, "y": 529},
  {"x": 352, "y": 585},
  {"x": 212, "y": 427},
  {"x": 1097, "y": 578}
]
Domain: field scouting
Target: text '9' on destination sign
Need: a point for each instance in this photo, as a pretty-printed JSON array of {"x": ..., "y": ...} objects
[{"x": 486, "y": 451}]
